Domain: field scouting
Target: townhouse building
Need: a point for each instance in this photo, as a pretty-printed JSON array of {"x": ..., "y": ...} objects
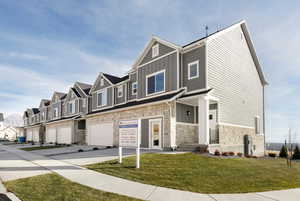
[{"x": 209, "y": 92}]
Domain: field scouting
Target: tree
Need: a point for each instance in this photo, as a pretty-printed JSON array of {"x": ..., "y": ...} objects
[
  {"x": 296, "y": 155},
  {"x": 283, "y": 152}
]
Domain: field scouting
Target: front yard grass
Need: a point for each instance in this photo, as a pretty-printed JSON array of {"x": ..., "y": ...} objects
[
  {"x": 52, "y": 187},
  {"x": 198, "y": 173},
  {"x": 43, "y": 147}
]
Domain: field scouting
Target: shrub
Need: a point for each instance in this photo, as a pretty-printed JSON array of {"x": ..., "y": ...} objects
[
  {"x": 273, "y": 155},
  {"x": 239, "y": 154},
  {"x": 231, "y": 153},
  {"x": 217, "y": 153},
  {"x": 80, "y": 150},
  {"x": 225, "y": 154},
  {"x": 283, "y": 152},
  {"x": 95, "y": 148},
  {"x": 296, "y": 155}
]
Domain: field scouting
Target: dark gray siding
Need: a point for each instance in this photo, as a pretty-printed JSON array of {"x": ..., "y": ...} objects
[
  {"x": 181, "y": 113},
  {"x": 109, "y": 99},
  {"x": 132, "y": 79},
  {"x": 163, "y": 49},
  {"x": 145, "y": 133},
  {"x": 168, "y": 63},
  {"x": 191, "y": 56},
  {"x": 119, "y": 100}
]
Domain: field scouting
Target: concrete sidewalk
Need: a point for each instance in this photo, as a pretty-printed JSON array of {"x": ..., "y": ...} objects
[{"x": 133, "y": 189}]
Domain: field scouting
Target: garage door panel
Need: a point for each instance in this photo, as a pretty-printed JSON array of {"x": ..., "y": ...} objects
[
  {"x": 64, "y": 135},
  {"x": 100, "y": 134},
  {"x": 51, "y": 135},
  {"x": 35, "y": 135}
]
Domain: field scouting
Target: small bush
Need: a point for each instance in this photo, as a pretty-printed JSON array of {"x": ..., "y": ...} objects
[
  {"x": 80, "y": 150},
  {"x": 95, "y": 148},
  {"x": 273, "y": 155},
  {"x": 231, "y": 153},
  {"x": 239, "y": 154},
  {"x": 217, "y": 153},
  {"x": 225, "y": 154},
  {"x": 296, "y": 155},
  {"x": 283, "y": 152}
]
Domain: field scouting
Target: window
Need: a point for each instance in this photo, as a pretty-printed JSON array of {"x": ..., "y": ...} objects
[
  {"x": 102, "y": 98},
  {"x": 102, "y": 82},
  {"x": 134, "y": 88},
  {"x": 155, "y": 50},
  {"x": 120, "y": 91},
  {"x": 257, "y": 125},
  {"x": 72, "y": 107},
  {"x": 156, "y": 83},
  {"x": 193, "y": 70},
  {"x": 83, "y": 102},
  {"x": 55, "y": 112}
]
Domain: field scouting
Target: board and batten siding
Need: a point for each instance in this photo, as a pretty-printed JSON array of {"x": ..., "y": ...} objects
[
  {"x": 233, "y": 76},
  {"x": 167, "y": 63},
  {"x": 132, "y": 79},
  {"x": 121, "y": 99},
  {"x": 163, "y": 49},
  {"x": 109, "y": 99}
]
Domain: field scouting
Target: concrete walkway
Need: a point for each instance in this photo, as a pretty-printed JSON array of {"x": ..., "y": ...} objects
[{"x": 129, "y": 188}]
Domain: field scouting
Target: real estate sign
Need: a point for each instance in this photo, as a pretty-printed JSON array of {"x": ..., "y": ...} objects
[{"x": 128, "y": 133}]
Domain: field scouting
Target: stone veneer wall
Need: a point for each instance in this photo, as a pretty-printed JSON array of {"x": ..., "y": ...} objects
[
  {"x": 135, "y": 113},
  {"x": 232, "y": 139},
  {"x": 186, "y": 134}
]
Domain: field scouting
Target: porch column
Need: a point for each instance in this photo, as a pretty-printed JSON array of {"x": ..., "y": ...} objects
[
  {"x": 203, "y": 121},
  {"x": 173, "y": 125}
]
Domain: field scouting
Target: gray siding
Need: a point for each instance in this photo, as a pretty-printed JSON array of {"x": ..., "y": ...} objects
[
  {"x": 163, "y": 49},
  {"x": 233, "y": 75},
  {"x": 109, "y": 99},
  {"x": 181, "y": 113},
  {"x": 168, "y": 63},
  {"x": 56, "y": 105},
  {"x": 119, "y": 100},
  {"x": 145, "y": 133},
  {"x": 98, "y": 87},
  {"x": 191, "y": 56},
  {"x": 132, "y": 79}
]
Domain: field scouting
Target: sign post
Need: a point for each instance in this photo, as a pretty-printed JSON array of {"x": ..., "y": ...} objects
[{"x": 129, "y": 137}]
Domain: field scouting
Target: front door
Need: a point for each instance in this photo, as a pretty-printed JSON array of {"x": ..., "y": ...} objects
[{"x": 155, "y": 133}]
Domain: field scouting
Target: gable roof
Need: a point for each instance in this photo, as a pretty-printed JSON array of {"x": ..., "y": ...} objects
[
  {"x": 149, "y": 45},
  {"x": 35, "y": 110},
  {"x": 114, "y": 79},
  {"x": 44, "y": 102},
  {"x": 59, "y": 94}
]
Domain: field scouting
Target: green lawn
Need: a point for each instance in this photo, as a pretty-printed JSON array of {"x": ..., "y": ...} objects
[
  {"x": 43, "y": 147},
  {"x": 52, "y": 187},
  {"x": 198, "y": 173}
]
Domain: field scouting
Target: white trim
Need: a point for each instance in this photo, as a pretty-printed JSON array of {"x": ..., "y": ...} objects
[
  {"x": 154, "y": 74},
  {"x": 193, "y": 46},
  {"x": 189, "y": 70},
  {"x": 155, "y": 50},
  {"x": 178, "y": 78},
  {"x": 187, "y": 124},
  {"x": 157, "y": 58},
  {"x": 98, "y": 92},
  {"x": 134, "y": 83},
  {"x": 235, "y": 125}
]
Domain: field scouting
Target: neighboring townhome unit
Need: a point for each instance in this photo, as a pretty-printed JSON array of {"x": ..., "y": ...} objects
[
  {"x": 67, "y": 124},
  {"x": 32, "y": 126},
  {"x": 207, "y": 93}
]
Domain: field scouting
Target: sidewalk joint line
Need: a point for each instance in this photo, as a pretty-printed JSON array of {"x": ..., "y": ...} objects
[
  {"x": 265, "y": 196},
  {"x": 148, "y": 196},
  {"x": 212, "y": 197}
]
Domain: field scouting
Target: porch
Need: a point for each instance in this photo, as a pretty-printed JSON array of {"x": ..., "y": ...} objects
[{"x": 197, "y": 121}]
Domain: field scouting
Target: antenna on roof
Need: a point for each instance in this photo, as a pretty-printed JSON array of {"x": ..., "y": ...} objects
[{"x": 206, "y": 30}]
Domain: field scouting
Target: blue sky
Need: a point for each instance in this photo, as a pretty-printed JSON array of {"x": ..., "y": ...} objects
[{"x": 46, "y": 46}]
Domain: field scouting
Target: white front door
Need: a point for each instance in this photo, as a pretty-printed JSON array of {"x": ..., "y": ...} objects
[{"x": 155, "y": 133}]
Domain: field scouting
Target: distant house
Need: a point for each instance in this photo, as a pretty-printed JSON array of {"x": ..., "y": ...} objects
[{"x": 209, "y": 92}]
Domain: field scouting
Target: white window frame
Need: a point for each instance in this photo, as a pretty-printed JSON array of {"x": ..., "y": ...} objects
[
  {"x": 55, "y": 112},
  {"x": 120, "y": 91},
  {"x": 132, "y": 92},
  {"x": 101, "y": 92},
  {"x": 189, "y": 70},
  {"x": 153, "y": 74},
  {"x": 257, "y": 125},
  {"x": 84, "y": 102},
  {"x": 155, "y": 50},
  {"x": 102, "y": 82},
  {"x": 73, "y": 110}
]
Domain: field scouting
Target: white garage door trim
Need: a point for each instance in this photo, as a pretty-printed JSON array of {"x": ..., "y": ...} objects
[{"x": 100, "y": 134}]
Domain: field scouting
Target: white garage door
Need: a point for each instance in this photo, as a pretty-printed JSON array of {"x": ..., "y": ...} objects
[
  {"x": 101, "y": 134},
  {"x": 51, "y": 135},
  {"x": 64, "y": 135},
  {"x": 29, "y": 135},
  {"x": 35, "y": 135}
]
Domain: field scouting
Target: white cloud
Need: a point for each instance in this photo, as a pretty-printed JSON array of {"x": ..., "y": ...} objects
[{"x": 27, "y": 56}]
